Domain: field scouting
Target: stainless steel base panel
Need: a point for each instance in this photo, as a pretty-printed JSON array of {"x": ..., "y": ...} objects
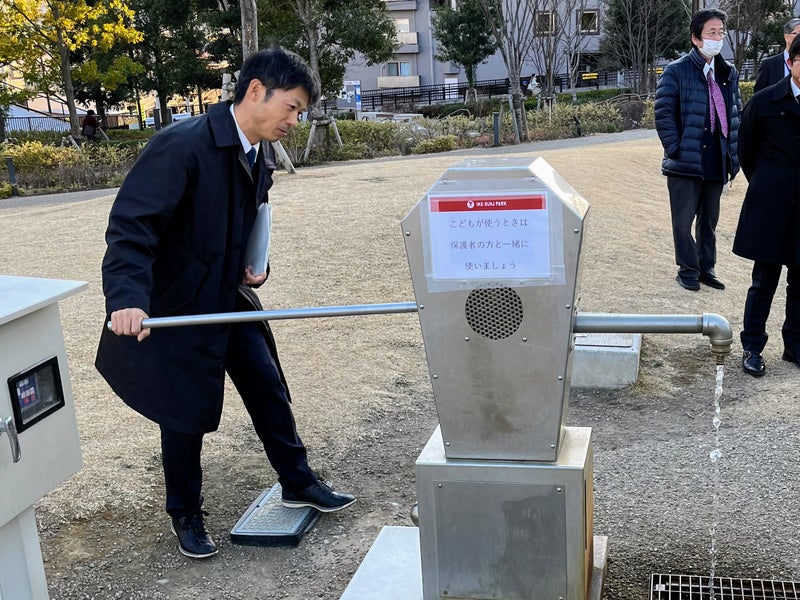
[
  {"x": 391, "y": 568},
  {"x": 506, "y": 530}
]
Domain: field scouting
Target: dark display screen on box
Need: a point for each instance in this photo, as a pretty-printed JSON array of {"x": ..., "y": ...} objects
[{"x": 36, "y": 393}]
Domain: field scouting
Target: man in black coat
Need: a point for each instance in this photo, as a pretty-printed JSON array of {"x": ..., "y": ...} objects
[
  {"x": 699, "y": 139},
  {"x": 176, "y": 239},
  {"x": 769, "y": 150},
  {"x": 775, "y": 68}
]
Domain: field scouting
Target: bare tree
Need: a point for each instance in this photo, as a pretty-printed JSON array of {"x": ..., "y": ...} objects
[
  {"x": 575, "y": 36},
  {"x": 306, "y": 12},
  {"x": 512, "y": 24},
  {"x": 752, "y": 25},
  {"x": 637, "y": 33},
  {"x": 547, "y": 27},
  {"x": 249, "y": 27},
  {"x": 559, "y": 39}
]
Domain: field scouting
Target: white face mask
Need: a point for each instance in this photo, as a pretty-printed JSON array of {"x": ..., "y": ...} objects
[{"x": 710, "y": 48}]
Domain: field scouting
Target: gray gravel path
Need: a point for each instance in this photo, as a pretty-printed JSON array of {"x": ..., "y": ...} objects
[{"x": 56, "y": 199}]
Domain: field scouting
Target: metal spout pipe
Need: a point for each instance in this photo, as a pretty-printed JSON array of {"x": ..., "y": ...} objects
[{"x": 712, "y": 325}]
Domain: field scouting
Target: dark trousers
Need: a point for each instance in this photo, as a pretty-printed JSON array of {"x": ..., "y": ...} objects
[
  {"x": 252, "y": 369},
  {"x": 694, "y": 200},
  {"x": 766, "y": 277}
]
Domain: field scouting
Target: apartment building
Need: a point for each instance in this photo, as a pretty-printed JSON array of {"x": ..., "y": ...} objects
[{"x": 414, "y": 63}]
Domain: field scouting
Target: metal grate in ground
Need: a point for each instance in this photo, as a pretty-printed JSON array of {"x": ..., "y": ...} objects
[{"x": 695, "y": 587}]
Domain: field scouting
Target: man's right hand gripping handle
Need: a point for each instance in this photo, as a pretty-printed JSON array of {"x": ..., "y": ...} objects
[{"x": 128, "y": 321}]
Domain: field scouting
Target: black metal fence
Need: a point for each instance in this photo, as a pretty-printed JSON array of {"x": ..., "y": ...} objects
[
  {"x": 36, "y": 124},
  {"x": 59, "y": 123},
  {"x": 398, "y": 98},
  {"x": 395, "y": 98}
]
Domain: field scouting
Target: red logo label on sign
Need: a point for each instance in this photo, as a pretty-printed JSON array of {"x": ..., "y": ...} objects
[{"x": 483, "y": 203}]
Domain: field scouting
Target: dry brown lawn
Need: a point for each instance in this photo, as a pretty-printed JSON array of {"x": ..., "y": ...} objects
[{"x": 361, "y": 391}]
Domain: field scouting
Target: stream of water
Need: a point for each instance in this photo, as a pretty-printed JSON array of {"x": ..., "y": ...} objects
[{"x": 715, "y": 456}]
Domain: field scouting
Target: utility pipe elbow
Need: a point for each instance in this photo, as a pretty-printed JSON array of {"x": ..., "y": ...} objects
[{"x": 719, "y": 333}]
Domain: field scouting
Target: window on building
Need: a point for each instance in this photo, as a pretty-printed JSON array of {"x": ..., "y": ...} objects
[
  {"x": 402, "y": 25},
  {"x": 588, "y": 21},
  {"x": 589, "y": 62},
  {"x": 545, "y": 22},
  {"x": 398, "y": 69}
]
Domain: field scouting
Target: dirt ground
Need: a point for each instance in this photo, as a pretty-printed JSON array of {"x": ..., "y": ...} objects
[{"x": 364, "y": 406}]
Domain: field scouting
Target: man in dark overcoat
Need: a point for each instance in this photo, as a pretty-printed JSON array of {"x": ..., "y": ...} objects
[
  {"x": 697, "y": 118},
  {"x": 767, "y": 232},
  {"x": 773, "y": 69},
  {"x": 176, "y": 239}
]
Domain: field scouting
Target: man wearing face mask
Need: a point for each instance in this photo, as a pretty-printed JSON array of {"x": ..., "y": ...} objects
[{"x": 697, "y": 118}]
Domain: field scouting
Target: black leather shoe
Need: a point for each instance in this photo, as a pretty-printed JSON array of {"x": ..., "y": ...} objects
[
  {"x": 194, "y": 540},
  {"x": 712, "y": 282},
  {"x": 692, "y": 286},
  {"x": 753, "y": 364},
  {"x": 790, "y": 357},
  {"x": 319, "y": 495}
]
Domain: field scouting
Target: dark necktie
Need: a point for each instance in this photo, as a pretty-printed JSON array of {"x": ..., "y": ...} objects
[
  {"x": 716, "y": 105},
  {"x": 251, "y": 157}
]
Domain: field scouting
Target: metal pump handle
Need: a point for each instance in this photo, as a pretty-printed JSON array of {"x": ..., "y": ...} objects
[
  {"x": 274, "y": 315},
  {"x": 10, "y": 428}
]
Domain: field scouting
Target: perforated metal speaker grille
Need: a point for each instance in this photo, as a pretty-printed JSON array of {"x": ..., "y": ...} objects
[{"x": 493, "y": 311}]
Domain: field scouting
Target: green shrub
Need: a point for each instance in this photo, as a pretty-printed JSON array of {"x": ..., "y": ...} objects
[
  {"x": 6, "y": 190},
  {"x": 465, "y": 130},
  {"x": 128, "y": 135},
  {"x": 481, "y": 108},
  {"x": 632, "y": 113},
  {"x": 565, "y": 119},
  {"x": 53, "y": 138},
  {"x": 370, "y": 139},
  {"x": 648, "y": 116},
  {"x": 443, "y": 143},
  {"x": 586, "y": 97},
  {"x": 592, "y": 96},
  {"x": 40, "y": 167},
  {"x": 746, "y": 89}
]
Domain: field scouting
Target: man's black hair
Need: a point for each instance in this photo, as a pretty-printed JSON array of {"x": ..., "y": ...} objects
[
  {"x": 276, "y": 69},
  {"x": 701, "y": 16}
]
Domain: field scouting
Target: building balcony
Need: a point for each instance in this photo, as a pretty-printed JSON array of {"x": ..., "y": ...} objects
[
  {"x": 398, "y": 81},
  {"x": 408, "y": 42},
  {"x": 401, "y": 5}
]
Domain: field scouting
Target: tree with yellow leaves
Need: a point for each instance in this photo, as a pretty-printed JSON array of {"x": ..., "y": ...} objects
[{"x": 39, "y": 36}]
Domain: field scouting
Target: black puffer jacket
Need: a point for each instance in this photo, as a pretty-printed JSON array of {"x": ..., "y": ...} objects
[{"x": 681, "y": 111}]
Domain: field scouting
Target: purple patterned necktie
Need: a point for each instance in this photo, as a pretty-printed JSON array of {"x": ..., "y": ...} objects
[{"x": 716, "y": 105}]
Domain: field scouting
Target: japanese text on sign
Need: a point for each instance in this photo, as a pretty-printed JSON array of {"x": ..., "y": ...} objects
[{"x": 490, "y": 236}]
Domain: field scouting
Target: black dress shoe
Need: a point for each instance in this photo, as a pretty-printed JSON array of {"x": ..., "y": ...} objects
[
  {"x": 686, "y": 284},
  {"x": 712, "y": 281},
  {"x": 318, "y": 495},
  {"x": 194, "y": 540},
  {"x": 753, "y": 364},
  {"x": 790, "y": 357}
]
